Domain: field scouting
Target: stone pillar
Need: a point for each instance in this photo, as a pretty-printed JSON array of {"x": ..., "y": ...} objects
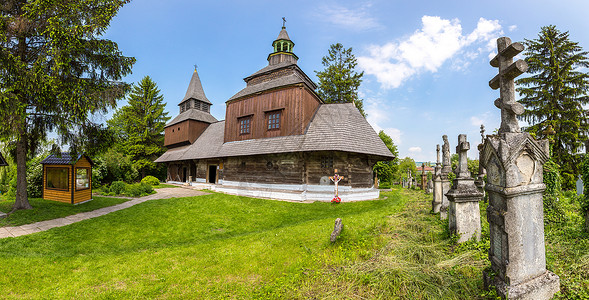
[
  {"x": 446, "y": 168},
  {"x": 464, "y": 217},
  {"x": 423, "y": 176},
  {"x": 480, "y": 182},
  {"x": 514, "y": 161},
  {"x": 437, "y": 199}
]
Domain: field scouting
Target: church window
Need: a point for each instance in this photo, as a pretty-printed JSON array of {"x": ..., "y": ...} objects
[
  {"x": 205, "y": 107},
  {"x": 181, "y": 108},
  {"x": 273, "y": 120},
  {"x": 245, "y": 125},
  {"x": 187, "y": 104},
  {"x": 197, "y": 104},
  {"x": 326, "y": 162}
]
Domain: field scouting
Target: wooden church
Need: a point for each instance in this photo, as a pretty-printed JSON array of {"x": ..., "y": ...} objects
[{"x": 278, "y": 140}]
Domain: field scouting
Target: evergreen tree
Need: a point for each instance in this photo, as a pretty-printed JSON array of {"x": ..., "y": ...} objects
[
  {"x": 339, "y": 82},
  {"x": 555, "y": 95},
  {"x": 139, "y": 125},
  {"x": 56, "y": 72}
]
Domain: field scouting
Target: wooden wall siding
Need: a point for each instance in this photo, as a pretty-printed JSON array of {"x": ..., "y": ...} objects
[
  {"x": 298, "y": 104},
  {"x": 57, "y": 195},
  {"x": 283, "y": 169},
  {"x": 356, "y": 168},
  {"x": 185, "y": 132},
  {"x": 82, "y": 195}
]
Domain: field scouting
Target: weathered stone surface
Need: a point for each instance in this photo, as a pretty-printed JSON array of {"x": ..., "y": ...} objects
[
  {"x": 464, "y": 215},
  {"x": 337, "y": 229},
  {"x": 438, "y": 195},
  {"x": 514, "y": 162}
]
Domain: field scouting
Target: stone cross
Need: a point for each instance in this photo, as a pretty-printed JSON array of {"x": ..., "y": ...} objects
[
  {"x": 461, "y": 149},
  {"x": 508, "y": 70},
  {"x": 446, "y": 164},
  {"x": 482, "y": 133},
  {"x": 438, "y": 153}
]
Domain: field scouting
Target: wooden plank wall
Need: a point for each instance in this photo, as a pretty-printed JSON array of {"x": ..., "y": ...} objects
[
  {"x": 185, "y": 132},
  {"x": 298, "y": 106},
  {"x": 273, "y": 169},
  {"x": 57, "y": 195}
]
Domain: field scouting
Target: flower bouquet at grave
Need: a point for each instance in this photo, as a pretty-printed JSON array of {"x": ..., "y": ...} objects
[{"x": 336, "y": 200}]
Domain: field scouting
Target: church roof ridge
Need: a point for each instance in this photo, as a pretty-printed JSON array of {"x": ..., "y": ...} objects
[
  {"x": 195, "y": 90},
  {"x": 283, "y": 35}
]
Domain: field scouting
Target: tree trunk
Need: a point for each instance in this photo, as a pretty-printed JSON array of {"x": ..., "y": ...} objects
[
  {"x": 22, "y": 201},
  {"x": 587, "y": 221}
]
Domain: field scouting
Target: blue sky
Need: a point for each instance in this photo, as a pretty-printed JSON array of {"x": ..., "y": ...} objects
[{"x": 426, "y": 63}]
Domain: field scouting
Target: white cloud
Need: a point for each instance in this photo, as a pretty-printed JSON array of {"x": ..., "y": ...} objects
[
  {"x": 425, "y": 50},
  {"x": 476, "y": 121},
  {"x": 415, "y": 150},
  {"x": 379, "y": 112},
  {"x": 512, "y": 27},
  {"x": 357, "y": 19}
]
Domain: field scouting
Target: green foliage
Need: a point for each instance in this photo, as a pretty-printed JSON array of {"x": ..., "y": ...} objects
[
  {"x": 150, "y": 180},
  {"x": 405, "y": 164},
  {"x": 584, "y": 199},
  {"x": 553, "y": 210},
  {"x": 57, "y": 72},
  {"x": 117, "y": 187},
  {"x": 386, "y": 170},
  {"x": 35, "y": 177},
  {"x": 339, "y": 81},
  {"x": 138, "y": 189},
  {"x": 139, "y": 126},
  {"x": 473, "y": 165},
  {"x": 556, "y": 95},
  {"x": 113, "y": 166}
]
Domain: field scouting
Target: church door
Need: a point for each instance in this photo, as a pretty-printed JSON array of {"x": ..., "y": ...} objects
[{"x": 212, "y": 174}]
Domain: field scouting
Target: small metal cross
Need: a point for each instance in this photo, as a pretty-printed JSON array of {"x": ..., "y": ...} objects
[{"x": 283, "y": 22}]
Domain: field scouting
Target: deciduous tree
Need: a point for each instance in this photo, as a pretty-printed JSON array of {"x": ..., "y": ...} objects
[
  {"x": 56, "y": 73},
  {"x": 339, "y": 81},
  {"x": 386, "y": 170},
  {"x": 556, "y": 95}
]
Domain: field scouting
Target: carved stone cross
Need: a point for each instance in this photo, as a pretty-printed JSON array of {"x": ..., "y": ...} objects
[
  {"x": 438, "y": 154},
  {"x": 482, "y": 133},
  {"x": 461, "y": 149},
  {"x": 508, "y": 70}
]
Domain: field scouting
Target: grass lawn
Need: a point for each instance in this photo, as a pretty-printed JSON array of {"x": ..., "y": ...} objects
[
  {"x": 47, "y": 210},
  {"x": 165, "y": 185},
  {"x": 220, "y": 246}
]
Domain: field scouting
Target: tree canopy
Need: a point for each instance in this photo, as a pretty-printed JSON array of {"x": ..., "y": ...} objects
[
  {"x": 386, "y": 170},
  {"x": 57, "y": 72},
  {"x": 339, "y": 81},
  {"x": 139, "y": 125},
  {"x": 556, "y": 95}
]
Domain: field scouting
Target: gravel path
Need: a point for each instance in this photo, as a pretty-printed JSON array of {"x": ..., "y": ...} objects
[{"x": 163, "y": 193}]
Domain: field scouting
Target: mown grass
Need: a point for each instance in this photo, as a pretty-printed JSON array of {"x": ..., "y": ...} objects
[
  {"x": 219, "y": 246},
  {"x": 47, "y": 209}
]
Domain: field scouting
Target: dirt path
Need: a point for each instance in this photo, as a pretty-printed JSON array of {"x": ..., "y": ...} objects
[{"x": 163, "y": 193}]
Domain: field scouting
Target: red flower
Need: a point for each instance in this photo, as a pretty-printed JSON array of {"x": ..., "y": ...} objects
[{"x": 336, "y": 199}]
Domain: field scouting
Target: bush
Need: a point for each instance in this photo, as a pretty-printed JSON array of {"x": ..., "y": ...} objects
[
  {"x": 117, "y": 187},
  {"x": 150, "y": 180},
  {"x": 35, "y": 178},
  {"x": 138, "y": 189},
  {"x": 553, "y": 207}
]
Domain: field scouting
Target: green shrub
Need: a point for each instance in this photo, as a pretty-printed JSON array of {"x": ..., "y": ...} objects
[
  {"x": 553, "y": 207},
  {"x": 384, "y": 185},
  {"x": 35, "y": 178},
  {"x": 146, "y": 189},
  {"x": 138, "y": 189},
  {"x": 117, "y": 187},
  {"x": 150, "y": 180}
]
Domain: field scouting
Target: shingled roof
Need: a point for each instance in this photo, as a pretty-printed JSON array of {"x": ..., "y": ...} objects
[
  {"x": 195, "y": 90},
  {"x": 63, "y": 159},
  {"x": 193, "y": 114},
  {"x": 283, "y": 35},
  {"x": 335, "y": 127}
]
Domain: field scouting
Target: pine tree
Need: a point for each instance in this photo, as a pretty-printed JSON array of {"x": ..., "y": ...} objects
[
  {"x": 56, "y": 73},
  {"x": 339, "y": 82},
  {"x": 139, "y": 125},
  {"x": 555, "y": 95}
]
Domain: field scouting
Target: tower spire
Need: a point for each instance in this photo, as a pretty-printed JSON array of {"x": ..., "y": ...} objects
[{"x": 283, "y": 47}]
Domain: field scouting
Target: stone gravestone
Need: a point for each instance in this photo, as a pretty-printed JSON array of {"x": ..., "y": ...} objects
[
  {"x": 579, "y": 185},
  {"x": 409, "y": 179},
  {"x": 480, "y": 182},
  {"x": 423, "y": 176},
  {"x": 446, "y": 168},
  {"x": 429, "y": 187},
  {"x": 464, "y": 217},
  {"x": 514, "y": 161},
  {"x": 437, "y": 199}
]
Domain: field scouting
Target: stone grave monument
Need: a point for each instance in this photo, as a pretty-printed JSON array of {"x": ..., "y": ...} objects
[
  {"x": 480, "y": 182},
  {"x": 423, "y": 176},
  {"x": 446, "y": 168},
  {"x": 464, "y": 216},
  {"x": 437, "y": 199},
  {"x": 514, "y": 160}
]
